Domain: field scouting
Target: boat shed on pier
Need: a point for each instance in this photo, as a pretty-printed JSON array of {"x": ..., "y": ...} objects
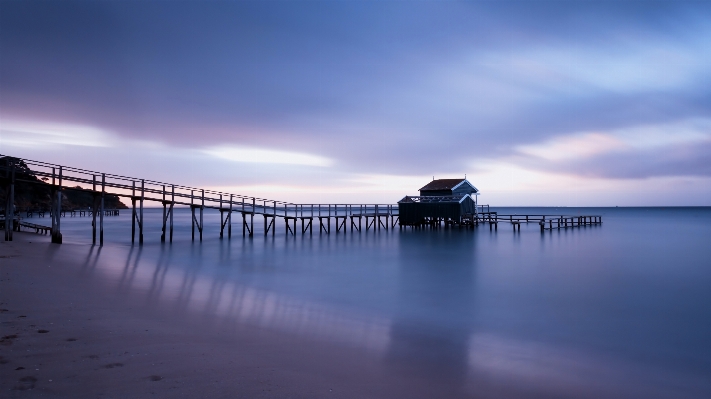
[{"x": 448, "y": 200}]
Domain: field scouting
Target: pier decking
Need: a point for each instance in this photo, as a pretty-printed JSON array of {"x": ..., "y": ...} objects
[
  {"x": 546, "y": 222},
  {"x": 353, "y": 217}
]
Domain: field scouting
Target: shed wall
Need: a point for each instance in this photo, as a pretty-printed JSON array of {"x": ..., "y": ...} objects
[
  {"x": 462, "y": 190},
  {"x": 430, "y": 193},
  {"x": 416, "y": 212}
]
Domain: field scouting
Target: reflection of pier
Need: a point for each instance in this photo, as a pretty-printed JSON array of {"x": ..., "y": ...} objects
[{"x": 188, "y": 291}]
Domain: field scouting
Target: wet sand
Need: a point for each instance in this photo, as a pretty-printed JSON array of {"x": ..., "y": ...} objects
[{"x": 65, "y": 335}]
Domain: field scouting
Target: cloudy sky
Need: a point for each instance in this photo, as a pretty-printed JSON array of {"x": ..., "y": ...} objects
[{"x": 538, "y": 103}]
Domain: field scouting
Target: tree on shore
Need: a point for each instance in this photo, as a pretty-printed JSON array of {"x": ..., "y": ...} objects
[{"x": 35, "y": 193}]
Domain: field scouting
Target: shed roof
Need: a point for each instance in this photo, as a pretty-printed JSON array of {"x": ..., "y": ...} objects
[
  {"x": 434, "y": 199},
  {"x": 446, "y": 184}
]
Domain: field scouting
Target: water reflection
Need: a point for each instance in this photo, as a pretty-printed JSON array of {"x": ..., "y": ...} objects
[
  {"x": 532, "y": 368},
  {"x": 159, "y": 274},
  {"x": 437, "y": 273},
  {"x": 602, "y": 311},
  {"x": 189, "y": 291}
]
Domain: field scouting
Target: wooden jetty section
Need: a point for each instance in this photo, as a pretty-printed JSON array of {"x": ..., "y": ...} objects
[
  {"x": 546, "y": 222},
  {"x": 17, "y": 224},
  {"x": 352, "y": 217},
  {"x": 485, "y": 216},
  {"x": 39, "y": 229},
  {"x": 140, "y": 191},
  {"x": 72, "y": 212}
]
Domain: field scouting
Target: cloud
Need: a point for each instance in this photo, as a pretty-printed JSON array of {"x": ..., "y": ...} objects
[
  {"x": 260, "y": 155},
  {"x": 572, "y": 147},
  {"x": 531, "y": 92},
  {"x": 38, "y": 134},
  {"x": 679, "y": 148},
  {"x": 640, "y": 64}
]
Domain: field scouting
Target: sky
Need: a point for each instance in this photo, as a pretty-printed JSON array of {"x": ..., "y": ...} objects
[{"x": 540, "y": 103}]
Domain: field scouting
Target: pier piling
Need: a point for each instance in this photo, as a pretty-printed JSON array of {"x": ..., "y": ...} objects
[
  {"x": 10, "y": 204},
  {"x": 101, "y": 214}
]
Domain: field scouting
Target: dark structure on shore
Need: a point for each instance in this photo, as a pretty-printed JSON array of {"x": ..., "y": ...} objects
[
  {"x": 452, "y": 201},
  {"x": 34, "y": 194},
  {"x": 21, "y": 189}
]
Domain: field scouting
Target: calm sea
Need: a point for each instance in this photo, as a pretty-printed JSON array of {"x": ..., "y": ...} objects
[{"x": 617, "y": 310}]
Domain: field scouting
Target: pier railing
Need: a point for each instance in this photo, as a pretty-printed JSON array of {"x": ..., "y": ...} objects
[
  {"x": 546, "y": 222},
  {"x": 67, "y": 178},
  {"x": 139, "y": 191}
]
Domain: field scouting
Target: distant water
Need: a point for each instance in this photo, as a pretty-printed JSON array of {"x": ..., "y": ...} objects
[{"x": 617, "y": 310}]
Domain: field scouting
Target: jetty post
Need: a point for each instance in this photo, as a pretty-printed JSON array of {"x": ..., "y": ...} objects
[
  {"x": 94, "y": 208},
  {"x": 57, "y": 211},
  {"x": 172, "y": 204},
  {"x": 341, "y": 219},
  {"x": 192, "y": 213},
  {"x": 133, "y": 211},
  {"x": 11, "y": 200},
  {"x": 225, "y": 220},
  {"x": 168, "y": 213},
  {"x": 140, "y": 222},
  {"x": 101, "y": 214},
  {"x": 53, "y": 197},
  {"x": 202, "y": 206},
  {"x": 266, "y": 226},
  {"x": 245, "y": 227},
  {"x": 59, "y": 207},
  {"x": 266, "y": 215},
  {"x": 195, "y": 220},
  {"x": 306, "y": 225},
  {"x": 162, "y": 235},
  {"x": 10, "y": 205}
]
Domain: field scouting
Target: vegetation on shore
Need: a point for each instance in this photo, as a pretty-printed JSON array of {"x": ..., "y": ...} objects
[{"x": 33, "y": 193}]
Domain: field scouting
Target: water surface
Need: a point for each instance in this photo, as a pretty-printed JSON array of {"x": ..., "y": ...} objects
[{"x": 619, "y": 310}]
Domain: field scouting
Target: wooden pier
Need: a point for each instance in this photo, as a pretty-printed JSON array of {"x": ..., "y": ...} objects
[
  {"x": 141, "y": 191},
  {"x": 546, "y": 222},
  {"x": 353, "y": 217},
  {"x": 486, "y": 217},
  {"x": 72, "y": 212}
]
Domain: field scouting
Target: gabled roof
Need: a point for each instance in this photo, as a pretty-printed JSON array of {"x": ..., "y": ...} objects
[
  {"x": 446, "y": 184},
  {"x": 435, "y": 199}
]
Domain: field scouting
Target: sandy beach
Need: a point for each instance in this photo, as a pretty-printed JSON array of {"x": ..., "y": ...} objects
[{"x": 65, "y": 335}]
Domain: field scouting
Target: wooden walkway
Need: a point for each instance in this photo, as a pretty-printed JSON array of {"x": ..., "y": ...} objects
[
  {"x": 296, "y": 217},
  {"x": 139, "y": 191},
  {"x": 17, "y": 224},
  {"x": 546, "y": 222},
  {"x": 72, "y": 212}
]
